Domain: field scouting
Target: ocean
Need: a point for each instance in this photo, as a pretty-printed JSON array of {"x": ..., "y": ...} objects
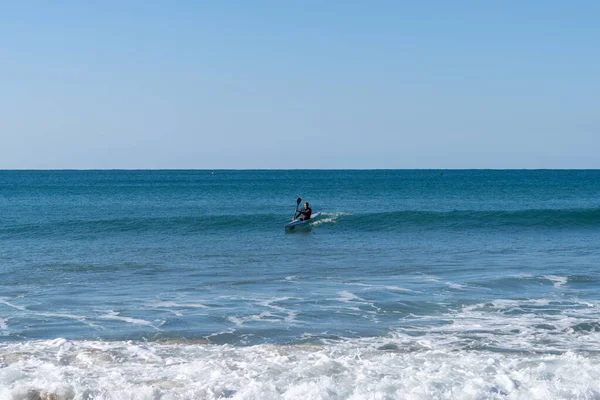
[{"x": 408, "y": 284}]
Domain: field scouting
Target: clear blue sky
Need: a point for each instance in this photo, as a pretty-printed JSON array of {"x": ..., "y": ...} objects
[{"x": 300, "y": 84}]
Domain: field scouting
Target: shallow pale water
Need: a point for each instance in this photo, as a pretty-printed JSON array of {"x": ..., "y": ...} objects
[{"x": 409, "y": 284}]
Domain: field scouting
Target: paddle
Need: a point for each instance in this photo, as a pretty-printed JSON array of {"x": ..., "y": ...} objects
[{"x": 297, "y": 204}]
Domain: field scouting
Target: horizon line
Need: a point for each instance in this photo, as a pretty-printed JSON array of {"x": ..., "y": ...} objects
[{"x": 297, "y": 169}]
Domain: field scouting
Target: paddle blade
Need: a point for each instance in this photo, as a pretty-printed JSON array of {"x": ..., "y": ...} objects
[{"x": 299, "y": 201}]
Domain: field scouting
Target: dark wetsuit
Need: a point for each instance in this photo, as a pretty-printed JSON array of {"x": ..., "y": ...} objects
[{"x": 305, "y": 213}]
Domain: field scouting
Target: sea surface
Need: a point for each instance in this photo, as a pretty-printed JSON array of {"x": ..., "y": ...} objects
[{"x": 408, "y": 284}]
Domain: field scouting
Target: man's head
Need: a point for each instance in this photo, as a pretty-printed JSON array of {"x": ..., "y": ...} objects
[{"x": 306, "y": 205}]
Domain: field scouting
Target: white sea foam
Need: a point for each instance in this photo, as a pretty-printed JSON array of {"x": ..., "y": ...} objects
[
  {"x": 79, "y": 318},
  {"x": 378, "y": 287},
  {"x": 516, "y": 325},
  {"x": 279, "y": 314},
  {"x": 524, "y": 276},
  {"x": 456, "y": 286},
  {"x": 3, "y": 301},
  {"x": 270, "y": 302},
  {"x": 264, "y": 316},
  {"x": 377, "y": 368},
  {"x": 431, "y": 278},
  {"x": 361, "y": 284},
  {"x": 3, "y": 324},
  {"x": 346, "y": 297},
  {"x": 238, "y": 321},
  {"x": 174, "y": 307},
  {"x": 324, "y": 221},
  {"x": 290, "y": 316},
  {"x": 558, "y": 281},
  {"x": 327, "y": 218},
  {"x": 397, "y": 289},
  {"x": 172, "y": 304},
  {"x": 113, "y": 315},
  {"x": 506, "y": 348},
  {"x": 223, "y": 332}
]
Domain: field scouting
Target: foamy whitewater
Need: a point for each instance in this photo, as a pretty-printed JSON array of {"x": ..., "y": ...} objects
[{"x": 406, "y": 285}]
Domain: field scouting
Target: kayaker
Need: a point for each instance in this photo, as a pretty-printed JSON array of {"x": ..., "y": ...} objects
[{"x": 304, "y": 213}]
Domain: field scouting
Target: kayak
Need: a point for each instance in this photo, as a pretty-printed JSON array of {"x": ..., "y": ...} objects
[{"x": 296, "y": 224}]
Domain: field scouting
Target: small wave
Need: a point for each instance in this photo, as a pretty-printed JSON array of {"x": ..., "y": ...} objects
[
  {"x": 591, "y": 326},
  {"x": 141, "y": 225},
  {"x": 384, "y": 221},
  {"x": 558, "y": 281},
  {"x": 472, "y": 219},
  {"x": 321, "y": 218}
]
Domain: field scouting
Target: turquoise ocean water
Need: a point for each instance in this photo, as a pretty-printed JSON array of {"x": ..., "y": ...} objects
[{"x": 409, "y": 284}]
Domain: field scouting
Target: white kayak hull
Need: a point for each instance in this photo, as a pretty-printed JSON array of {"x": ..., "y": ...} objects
[{"x": 296, "y": 224}]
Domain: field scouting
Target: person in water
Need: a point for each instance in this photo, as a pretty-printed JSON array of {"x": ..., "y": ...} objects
[{"x": 304, "y": 213}]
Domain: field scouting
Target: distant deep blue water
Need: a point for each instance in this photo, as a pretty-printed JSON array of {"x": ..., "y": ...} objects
[{"x": 408, "y": 284}]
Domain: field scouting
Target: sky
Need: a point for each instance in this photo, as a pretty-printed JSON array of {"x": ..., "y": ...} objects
[{"x": 299, "y": 84}]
